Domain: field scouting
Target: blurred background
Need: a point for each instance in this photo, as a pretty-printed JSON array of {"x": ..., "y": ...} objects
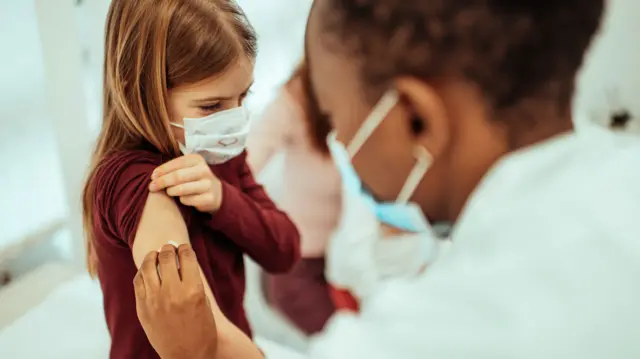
[
  {"x": 50, "y": 108},
  {"x": 50, "y": 82}
]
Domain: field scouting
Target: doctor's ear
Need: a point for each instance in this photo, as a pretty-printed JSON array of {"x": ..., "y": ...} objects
[{"x": 427, "y": 114}]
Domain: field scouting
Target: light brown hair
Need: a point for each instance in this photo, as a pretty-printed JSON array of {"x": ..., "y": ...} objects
[
  {"x": 150, "y": 47},
  {"x": 318, "y": 125}
]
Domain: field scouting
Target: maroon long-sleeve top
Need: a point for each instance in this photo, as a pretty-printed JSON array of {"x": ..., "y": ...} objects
[{"x": 247, "y": 222}]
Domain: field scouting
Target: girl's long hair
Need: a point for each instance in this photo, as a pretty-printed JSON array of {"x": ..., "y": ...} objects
[{"x": 150, "y": 47}]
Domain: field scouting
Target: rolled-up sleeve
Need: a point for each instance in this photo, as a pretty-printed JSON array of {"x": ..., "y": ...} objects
[
  {"x": 121, "y": 187},
  {"x": 250, "y": 218}
]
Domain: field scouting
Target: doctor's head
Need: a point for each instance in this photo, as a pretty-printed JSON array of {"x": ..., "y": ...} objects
[
  {"x": 451, "y": 84},
  {"x": 166, "y": 60}
]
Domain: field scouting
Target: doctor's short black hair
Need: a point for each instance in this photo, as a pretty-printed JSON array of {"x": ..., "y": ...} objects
[{"x": 513, "y": 50}]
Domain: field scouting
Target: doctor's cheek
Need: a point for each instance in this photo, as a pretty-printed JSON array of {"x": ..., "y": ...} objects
[{"x": 388, "y": 231}]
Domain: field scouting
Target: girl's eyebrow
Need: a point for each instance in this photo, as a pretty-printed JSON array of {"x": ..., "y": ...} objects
[{"x": 220, "y": 98}]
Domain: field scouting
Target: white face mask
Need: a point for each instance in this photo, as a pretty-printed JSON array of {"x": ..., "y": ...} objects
[
  {"x": 359, "y": 256},
  {"x": 218, "y": 137},
  {"x": 400, "y": 214}
]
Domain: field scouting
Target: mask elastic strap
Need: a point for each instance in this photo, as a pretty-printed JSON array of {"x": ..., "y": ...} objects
[
  {"x": 379, "y": 113},
  {"x": 424, "y": 160},
  {"x": 176, "y": 125}
]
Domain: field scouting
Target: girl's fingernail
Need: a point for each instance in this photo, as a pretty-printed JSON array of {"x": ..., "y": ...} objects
[
  {"x": 152, "y": 186},
  {"x": 154, "y": 175}
]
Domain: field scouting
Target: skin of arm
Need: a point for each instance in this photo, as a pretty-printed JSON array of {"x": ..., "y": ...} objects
[{"x": 160, "y": 223}]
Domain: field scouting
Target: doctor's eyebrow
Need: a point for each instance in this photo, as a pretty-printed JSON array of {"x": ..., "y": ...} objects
[{"x": 222, "y": 98}]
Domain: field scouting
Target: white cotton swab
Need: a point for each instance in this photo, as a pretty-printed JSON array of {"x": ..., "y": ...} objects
[{"x": 175, "y": 245}]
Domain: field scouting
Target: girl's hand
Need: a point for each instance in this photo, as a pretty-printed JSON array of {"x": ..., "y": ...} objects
[{"x": 189, "y": 178}]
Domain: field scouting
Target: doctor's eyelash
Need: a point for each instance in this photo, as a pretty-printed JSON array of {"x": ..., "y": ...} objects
[
  {"x": 619, "y": 116},
  {"x": 619, "y": 119},
  {"x": 246, "y": 94}
]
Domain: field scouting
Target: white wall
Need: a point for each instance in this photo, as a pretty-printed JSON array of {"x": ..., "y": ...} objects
[
  {"x": 32, "y": 199},
  {"x": 610, "y": 78},
  {"x": 280, "y": 25}
]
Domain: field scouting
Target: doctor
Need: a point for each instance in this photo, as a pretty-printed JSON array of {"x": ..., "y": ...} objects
[{"x": 460, "y": 111}]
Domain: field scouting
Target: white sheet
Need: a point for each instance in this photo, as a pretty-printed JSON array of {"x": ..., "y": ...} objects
[
  {"x": 70, "y": 324},
  {"x": 273, "y": 350}
]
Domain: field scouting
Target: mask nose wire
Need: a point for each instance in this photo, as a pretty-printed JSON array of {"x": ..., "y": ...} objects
[{"x": 379, "y": 113}]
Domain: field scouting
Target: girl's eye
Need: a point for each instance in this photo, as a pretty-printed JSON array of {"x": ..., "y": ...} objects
[{"x": 211, "y": 108}]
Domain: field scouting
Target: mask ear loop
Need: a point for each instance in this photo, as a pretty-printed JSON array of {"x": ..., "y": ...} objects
[
  {"x": 424, "y": 161},
  {"x": 379, "y": 113},
  {"x": 183, "y": 147}
]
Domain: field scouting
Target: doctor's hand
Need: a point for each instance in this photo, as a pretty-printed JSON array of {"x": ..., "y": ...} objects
[
  {"x": 190, "y": 179},
  {"x": 172, "y": 306}
]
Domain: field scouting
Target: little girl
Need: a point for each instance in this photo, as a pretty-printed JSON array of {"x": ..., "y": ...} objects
[{"x": 170, "y": 163}]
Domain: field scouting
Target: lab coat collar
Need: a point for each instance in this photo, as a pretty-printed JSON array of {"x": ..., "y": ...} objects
[{"x": 484, "y": 207}]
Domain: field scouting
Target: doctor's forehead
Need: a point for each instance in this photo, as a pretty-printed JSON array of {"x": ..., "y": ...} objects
[{"x": 331, "y": 67}]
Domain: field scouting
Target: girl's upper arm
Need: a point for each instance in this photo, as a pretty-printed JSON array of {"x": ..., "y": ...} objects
[
  {"x": 160, "y": 223},
  {"x": 146, "y": 221},
  {"x": 129, "y": 211}
]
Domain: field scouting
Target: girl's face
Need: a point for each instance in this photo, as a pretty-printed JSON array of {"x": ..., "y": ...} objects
[{"x": 223, "y": 92}]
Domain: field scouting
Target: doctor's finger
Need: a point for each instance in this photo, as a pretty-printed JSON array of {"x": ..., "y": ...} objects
[
  {"x": 178, "y": 177},
  {"x": 167, "y": 266},
  {"x": 177, "y": 163},
  {"x": 189, "y": 269},
  {"x": 148, "y": 271},
  {"x": 189, "y": 188},
  {"x": 139, "y": 288},
  {"x": 141, "y": 296}
]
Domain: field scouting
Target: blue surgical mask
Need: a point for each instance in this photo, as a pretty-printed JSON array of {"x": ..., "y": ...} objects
[{"x": 400, "y": 214}]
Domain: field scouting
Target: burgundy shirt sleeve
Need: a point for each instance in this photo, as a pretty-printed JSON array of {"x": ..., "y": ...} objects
[
  {"x": 250, "y": 219},
  {"x": 122, "y": 190}
]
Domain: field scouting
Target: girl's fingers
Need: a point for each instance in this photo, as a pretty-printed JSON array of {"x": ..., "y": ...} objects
[
  {"x": 190, "y": 188},
  {"x": 178, "y": 177},
  {"x": 199, "y": 200},
  {"x": 190, "y": 160}
]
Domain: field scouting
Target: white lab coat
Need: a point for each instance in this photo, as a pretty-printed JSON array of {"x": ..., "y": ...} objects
[
  {"x": 545, "y": 263},
  {"x": 359, "y": 256}
]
